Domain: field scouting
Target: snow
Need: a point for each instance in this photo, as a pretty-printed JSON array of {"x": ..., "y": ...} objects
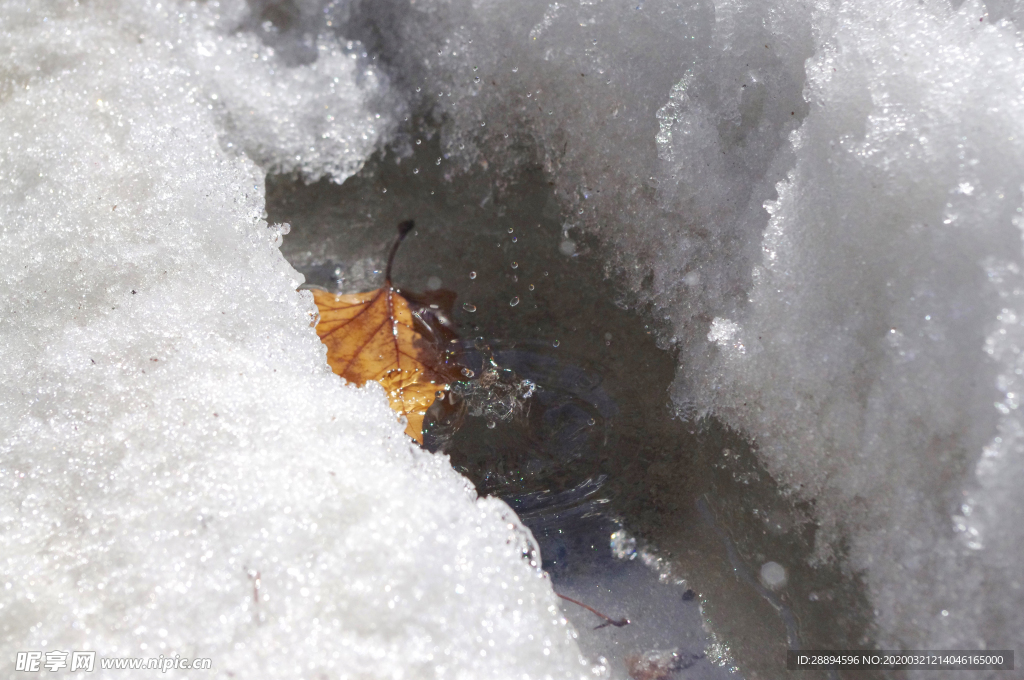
[
  {"x": 871, "y": 308},
  {"x": 820, "y": 204},
  {"x": 180, "y": 472}
]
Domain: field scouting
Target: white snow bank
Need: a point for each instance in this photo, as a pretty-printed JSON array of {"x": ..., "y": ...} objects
[
  {"x": 180, "y": 472},
  {"x": 822, "y": 203},
  {"x": 874, "y": 333}
]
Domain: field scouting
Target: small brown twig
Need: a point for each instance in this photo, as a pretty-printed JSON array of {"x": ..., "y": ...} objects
[{"x": 618, "y": 623}]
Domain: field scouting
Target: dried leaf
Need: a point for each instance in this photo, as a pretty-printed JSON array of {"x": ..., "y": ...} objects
[{"x": 377, "y": 336}]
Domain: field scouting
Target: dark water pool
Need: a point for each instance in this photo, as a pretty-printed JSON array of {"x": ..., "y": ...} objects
[{"x": 574, "y": 429}]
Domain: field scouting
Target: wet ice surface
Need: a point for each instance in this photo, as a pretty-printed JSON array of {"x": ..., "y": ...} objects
[{"x": 664, "y": 618}]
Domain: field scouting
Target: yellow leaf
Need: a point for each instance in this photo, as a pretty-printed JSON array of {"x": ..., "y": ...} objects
[{"x": 374, "y": 336}]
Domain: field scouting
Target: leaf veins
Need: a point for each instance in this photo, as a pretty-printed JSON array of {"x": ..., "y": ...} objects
[{"x": 376, "y": 336}]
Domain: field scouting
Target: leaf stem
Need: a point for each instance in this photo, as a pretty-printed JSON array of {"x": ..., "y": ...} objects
[{"x": 403, "y": 230}]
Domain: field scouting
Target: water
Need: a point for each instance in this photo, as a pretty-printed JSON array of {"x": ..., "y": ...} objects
[{"x": 594, "y": 448}]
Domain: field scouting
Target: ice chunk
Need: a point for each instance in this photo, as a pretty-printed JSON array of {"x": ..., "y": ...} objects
[{"x": 180, "y": 471}]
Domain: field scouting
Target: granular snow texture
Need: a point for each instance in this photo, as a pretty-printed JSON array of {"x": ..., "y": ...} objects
[{"x": 180, "y": 471}]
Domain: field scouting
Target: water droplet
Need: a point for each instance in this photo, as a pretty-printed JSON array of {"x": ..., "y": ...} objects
[
  {"x": 513, "y": 302},
  {"x": 510, "y": 230},
  {"x": 472, "y": 275},
  {"x": 591, "y": 422},
  {"x": 385, "y": 191},
  {"x": 773, "y": 575},
  {"x": 555, "y": 343},
  {"x": 531, "y": 286},
  {"x": 417, "y": 89},
  {"x": 468, "y": 373},
  {"x": 515, "y": 265},
  {"x": 418, "y": 142},
  {"x": 491, "y": 424},
  {"x": 415, "y": 171},
  {"x": 515, "y": 69},
  {"x": 476, "y": 79},
  {"x": 514, "y": 239},
  {"x": 468, "y": 307},
  {"x": 545, "y": 273},
  {"x": 437, "y": 162}
]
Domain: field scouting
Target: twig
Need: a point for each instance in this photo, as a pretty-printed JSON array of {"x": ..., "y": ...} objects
[{"x": 618, "y": 623}]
